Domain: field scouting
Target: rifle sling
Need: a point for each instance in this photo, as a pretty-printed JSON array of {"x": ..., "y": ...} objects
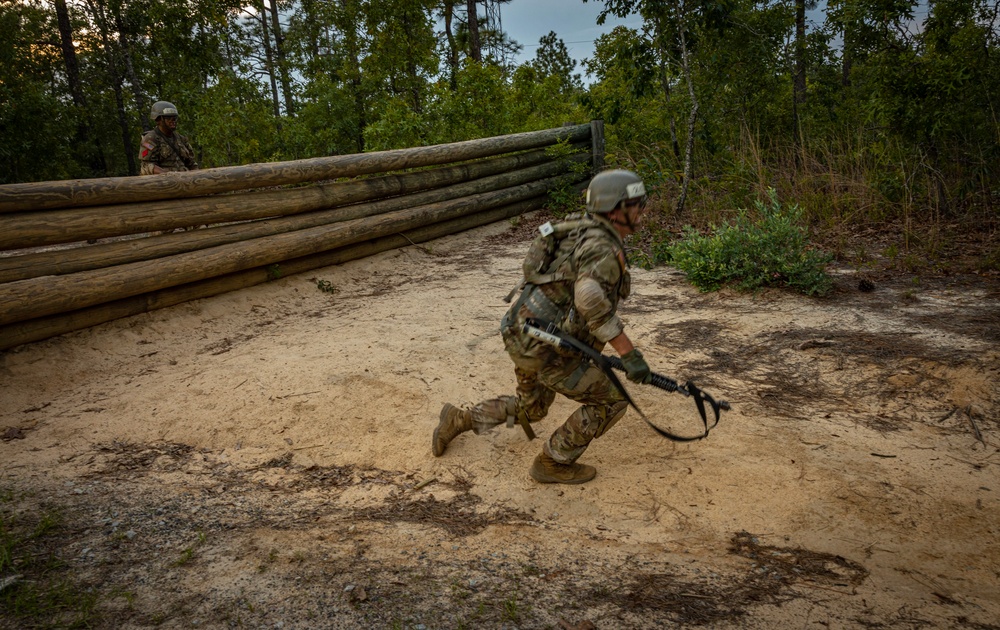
[
  {"x": 549, "y": 332},
  {"x": 173, "y": 147}
]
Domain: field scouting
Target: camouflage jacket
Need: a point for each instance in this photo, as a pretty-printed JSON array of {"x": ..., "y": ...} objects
[
  {"x": 584, "y": 282},
  {"x": 170, "y": 154}
]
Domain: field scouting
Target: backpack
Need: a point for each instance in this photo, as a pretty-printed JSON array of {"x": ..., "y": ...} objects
[{"x": 546, "y": 259}]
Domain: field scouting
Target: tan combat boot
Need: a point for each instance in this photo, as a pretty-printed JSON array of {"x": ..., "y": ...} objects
[
  {"x": 454, "y": 422},
  {"x": 547, "y": 470}
]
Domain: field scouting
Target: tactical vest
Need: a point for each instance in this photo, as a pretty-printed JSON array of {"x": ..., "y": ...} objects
[{"x": 550, "y": 259}]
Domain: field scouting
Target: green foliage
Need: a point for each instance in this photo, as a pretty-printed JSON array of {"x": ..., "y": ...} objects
[
  {"x": 538, "y": 102},
  {"x": 188, "y": 554},
  {"x": 325, "y": 286},
  {"x": 484, "y": 104},
  {"x": 770, "y": 249},
  {"x": 31, "y": 116},
  {"x": 566, "y": 197},
  {"x": 552, "y": 60},
  {"x": 478, "y": 108},
  {"x": 225, "y": 135},
  {"x": 624, "y": 64},
  {"x": 399, "y": 127},
  {"x": 899, "y": 123},
  {"x": 327, "y": 121}
]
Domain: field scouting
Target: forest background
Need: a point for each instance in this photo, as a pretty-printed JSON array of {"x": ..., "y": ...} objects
[{"x": 883, "y": 115}]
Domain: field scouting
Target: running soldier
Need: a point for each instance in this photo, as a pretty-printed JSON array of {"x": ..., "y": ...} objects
[{"x": 574, "y": 275}]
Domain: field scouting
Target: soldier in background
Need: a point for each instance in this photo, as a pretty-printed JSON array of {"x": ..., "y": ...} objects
[{"x": 162, "y": 149}]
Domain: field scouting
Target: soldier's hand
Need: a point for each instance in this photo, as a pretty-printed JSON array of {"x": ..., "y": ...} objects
[{"x": 636, "y": 368}]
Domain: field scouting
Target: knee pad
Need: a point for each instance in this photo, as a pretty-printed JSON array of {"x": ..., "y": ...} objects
[
  {"x": 612, "y": 414},
  {"x": 507, "y": 409}
]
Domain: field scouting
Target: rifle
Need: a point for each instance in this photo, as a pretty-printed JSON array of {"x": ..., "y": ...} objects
[{"x": 551, "y": 334}]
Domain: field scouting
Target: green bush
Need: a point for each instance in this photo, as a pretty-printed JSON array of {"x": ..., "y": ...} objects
[{"x": 767, "y": 248}]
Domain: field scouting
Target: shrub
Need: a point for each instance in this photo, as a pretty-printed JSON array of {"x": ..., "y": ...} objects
[{"x": 767, "y": 248}]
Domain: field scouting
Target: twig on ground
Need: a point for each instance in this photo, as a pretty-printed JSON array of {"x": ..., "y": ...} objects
[
  {"x": 294, "y": 395},
  {"x": 975, "y": 427},
  {"x": 948, "y": 415},
  {"x": 422, "y": 248},
  {"x": 425, "y": 483}
]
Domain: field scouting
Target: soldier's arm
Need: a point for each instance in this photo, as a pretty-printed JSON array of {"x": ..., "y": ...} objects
[
  {"x": 147, "y": 151},
  {"x": 622, "y": 344},
  {"x": 598, "y": 273}
]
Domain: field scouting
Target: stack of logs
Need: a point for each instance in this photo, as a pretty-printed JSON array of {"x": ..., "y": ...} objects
[{"x": 78, "y": 253}]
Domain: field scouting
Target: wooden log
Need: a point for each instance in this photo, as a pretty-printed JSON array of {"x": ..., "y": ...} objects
[
  {"x": 65, "y": 261},
  {"x": 38, "y": 229},
  {"x": 45, "y": 327},
  {"x": 111, "y": 190},
  {"x": 48, "y": 295}
]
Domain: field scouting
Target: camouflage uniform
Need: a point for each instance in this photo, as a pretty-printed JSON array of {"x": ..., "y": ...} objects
[
  {"x": 173, "y": 153},
  {"x": 595, "y": 255}
]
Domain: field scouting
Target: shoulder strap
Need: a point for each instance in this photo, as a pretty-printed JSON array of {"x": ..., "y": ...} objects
[{"x": 554, "y": 236}]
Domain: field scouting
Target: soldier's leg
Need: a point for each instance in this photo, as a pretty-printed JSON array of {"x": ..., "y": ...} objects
[
  {"x": 602, "y": 407},
  {"x": 532, "y": 402},
  {"x": 584, "y": 425}
]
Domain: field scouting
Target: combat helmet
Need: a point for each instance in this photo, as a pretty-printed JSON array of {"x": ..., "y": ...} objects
[
  {"x": 162, "y": 108},
  {"x": 608, "y": 188}
]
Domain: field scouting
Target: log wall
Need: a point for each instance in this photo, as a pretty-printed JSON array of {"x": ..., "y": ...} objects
[{"x": 78, "y": 253}]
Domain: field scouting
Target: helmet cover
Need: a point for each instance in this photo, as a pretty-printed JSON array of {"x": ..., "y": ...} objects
[
  {"x": 162, "y": 108},
  {"x": 609, "y": 188}
]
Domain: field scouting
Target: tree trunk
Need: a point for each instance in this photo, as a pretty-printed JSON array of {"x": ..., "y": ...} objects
[
  {"x": 799, "y": 87},
  {"x": 133, "y": 79},
  {"x": 847, "y": 55},
  {"x": 800, "y": 51},
  {"x": 92, "y": 149},
  {"x": 100, "y": 18},
  {"x": 449, "y": 15},
  {"x": 360, "y": 112},
  {"x": 265, "y": 39},
  {"x": 412, "y": 75},
  {"x": 692, "y": 119},
  {"x": 69, "y": 54},
  {"x": 351, "y": 46},
  {"x": 313, "y": 30},
  {"x": 475, "y": 51},
  {"x": 282, "y": 64},
  {"x": 665, "y": 82}
]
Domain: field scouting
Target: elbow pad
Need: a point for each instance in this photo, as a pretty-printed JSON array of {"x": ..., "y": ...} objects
[{"x": 595, "y": 308}]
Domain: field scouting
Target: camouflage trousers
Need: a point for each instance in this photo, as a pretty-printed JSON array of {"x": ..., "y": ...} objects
[{"x": 539, "y": 379}]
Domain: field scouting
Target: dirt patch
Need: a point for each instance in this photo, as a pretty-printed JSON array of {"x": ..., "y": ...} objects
[{"x": 262, "y": 459}]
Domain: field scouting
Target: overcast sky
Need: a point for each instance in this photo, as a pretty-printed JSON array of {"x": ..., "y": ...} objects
[{"x": 574, "y": 21}]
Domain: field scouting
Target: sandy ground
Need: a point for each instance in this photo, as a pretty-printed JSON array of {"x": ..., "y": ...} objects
[{"x": 262, "y": 458}]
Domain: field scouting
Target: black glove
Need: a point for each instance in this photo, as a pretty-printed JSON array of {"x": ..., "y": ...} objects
[{"x": 636, "y": 368}]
